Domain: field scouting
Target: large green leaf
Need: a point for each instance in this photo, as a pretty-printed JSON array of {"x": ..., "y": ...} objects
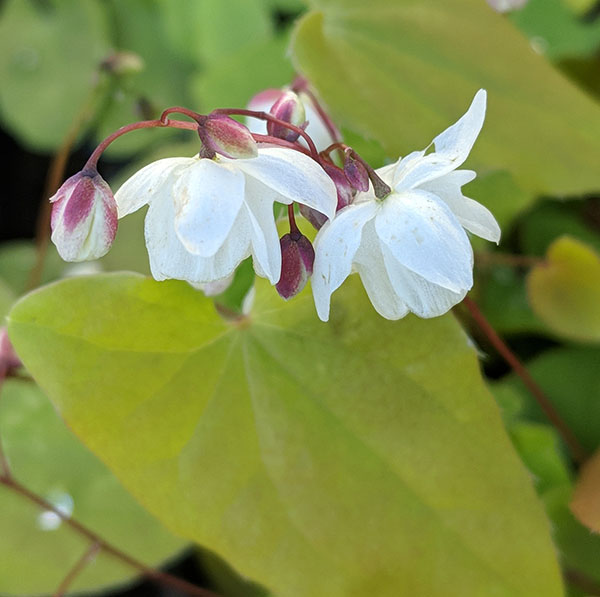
[
  {"x": 36, "y": 550},
  {"x": 401, "y": 71},
  {"x": 357, "y": 457}
]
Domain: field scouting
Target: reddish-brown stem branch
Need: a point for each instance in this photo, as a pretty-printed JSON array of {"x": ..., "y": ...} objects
[
  {"x": 144, "y": 124},
  {"x": 492, "y": 258},
  {"x": 575, "y": 448},
  {"x": 180, "y": 110},
  {"x": 84, "y": 560},
  {"x": 333, "y": 147},
  {"x": 266, "y": 116},
  {"x": 301, "y": 85},
  {"x": 281, "y": 142},
  {"x": 292, "y": 220},
  {"x": 156, "y": 575}
]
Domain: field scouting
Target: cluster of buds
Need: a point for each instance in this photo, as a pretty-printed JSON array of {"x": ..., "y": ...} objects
[{"x": 401, "y": 227}]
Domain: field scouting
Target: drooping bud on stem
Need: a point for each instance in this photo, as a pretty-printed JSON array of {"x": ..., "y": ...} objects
[
  {"x": 288, "y": 108},
  {"x": 355, "y": 171},
  {"x": 225, "y": 136},
  {"x": 84, "y": 217},
  {"x": 297, "y": 258}
]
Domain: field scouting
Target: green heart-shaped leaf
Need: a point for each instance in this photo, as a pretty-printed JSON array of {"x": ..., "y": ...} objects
[{"x": 357, "y": 457}]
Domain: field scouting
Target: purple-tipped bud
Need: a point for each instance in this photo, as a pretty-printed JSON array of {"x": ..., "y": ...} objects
[
  {"x": 289, "y": 108},
  {"x": 345, "y": 195},
  {"x": 226, "y": 136},
  {"x": 297, "y": 258},
  {"x": 9, "y": 361},
  {"x": 355, "y": 171},
  {"x": 84, "y": 217}
]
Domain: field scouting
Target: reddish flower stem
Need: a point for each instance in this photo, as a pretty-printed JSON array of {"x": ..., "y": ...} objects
[
  {"x": 83, "y": 561},
  {"x": 300, "y": 84},
  {"x": 92, "y": 162},
  {"x": 161, "y": 577},
  {"x": 577, "y": 451},
  {"x": 281, "y": 142},
  {"x": 292, "y": 219}
]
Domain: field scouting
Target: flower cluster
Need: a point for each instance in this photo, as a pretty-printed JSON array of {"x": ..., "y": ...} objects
[{"x": 401, "y": 227}]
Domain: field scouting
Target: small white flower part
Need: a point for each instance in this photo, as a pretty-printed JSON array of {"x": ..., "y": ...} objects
[
  {"x": 410, "y": 249},
  {"x": 207, "y": 215}
]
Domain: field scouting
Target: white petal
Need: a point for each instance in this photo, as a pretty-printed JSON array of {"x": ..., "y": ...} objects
[
  {"x": 266, "y": 249},
  {"x": 371, "y": 268},
  {"x": 292, "y": 176},
  {"x": 335, "y": 247},
  {"x": 208, "y": 196},
  {"x": 456, "y": 142},
  {"x": 423, "y": 234},
  {"x": 154, "y": 181},
  {"x": 472, "y": 215},
  {"x": 170, "y": 259},
  {"x": 422, "y": 297}
]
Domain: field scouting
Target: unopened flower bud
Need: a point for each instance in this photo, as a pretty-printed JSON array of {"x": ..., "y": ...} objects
[
  {"x": 355, "y": 171},
  {"x": 345, "y": 195},
  {"x": 123, "y": 63},
  {"x": 84, "y": 217},
  {"x": 226, "y": 136},
  {"x": 289, "y": 108},
  {"x": 297, "y": 258},
  {"x": 9, "y": 361}
]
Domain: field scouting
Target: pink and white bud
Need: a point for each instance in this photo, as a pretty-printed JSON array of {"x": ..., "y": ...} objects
[
  {"x": 226, "y": 136},
  {"x": 355, "y": 171},
  {"x": 84, "y": 217},
  {"x": 9, "y": 361},
  {"x": 288, "y": 108},
  {"x": 345, "y": 195},
  {"x": 297, "y": 259},
  {"x": 317, "y": 128}
]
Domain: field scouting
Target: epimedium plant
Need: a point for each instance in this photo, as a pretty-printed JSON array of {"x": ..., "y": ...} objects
[
  {"x": 301, "y": 450},
  {"x": 363, "y": 455}
]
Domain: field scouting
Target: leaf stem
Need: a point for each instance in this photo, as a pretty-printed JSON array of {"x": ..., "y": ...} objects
[
  {"x": 84, "y": 560},
  {"x": 577, "y": 451},
  {"x": 486, "y": 258},
  {"x": 151, "y": 573}
]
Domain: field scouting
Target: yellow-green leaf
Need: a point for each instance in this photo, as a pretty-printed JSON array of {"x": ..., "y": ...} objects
[
  {"x": 357, "y": 457},
  {"x": 564, "y": 291},
  {"x": 401, "y": 71}
]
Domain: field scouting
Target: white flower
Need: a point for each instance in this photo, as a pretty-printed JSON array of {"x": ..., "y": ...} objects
[
  {"x": 410, "y": 248},
  {"x": 207, "y": 215}
]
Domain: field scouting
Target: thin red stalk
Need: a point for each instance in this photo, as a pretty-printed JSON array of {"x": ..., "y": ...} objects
[
  {"x": 266, "y": 116},
  {"x": 282, "y": 142},
  {"x": 180, "y": 110},
  {"x": 156, "y": 575},
  {"x": 83, "y": 561},
  {"x": 292, "y": 219},
  {"x": 144, "y": 124},
  {"x": 575, "y": 448},
  {"x": 526, "y": 261},
  {"x": 335, "y": 135}
]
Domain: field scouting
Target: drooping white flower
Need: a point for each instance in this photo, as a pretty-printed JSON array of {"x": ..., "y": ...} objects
[
  {"x": 410, "y": 248},
  {"x": 207, "y": 215}
]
